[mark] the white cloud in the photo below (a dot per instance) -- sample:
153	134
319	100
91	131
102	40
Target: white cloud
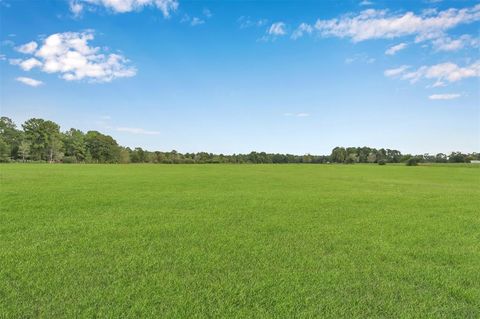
381	24
448	44
301	114
394	49
196	21
302	29
362	58
441	73
206	12
134	130
122	6
247	22
450	96
76	8
365	3
396	71
2	57
70	55
27	64
193	21
29	81
277	29
27	48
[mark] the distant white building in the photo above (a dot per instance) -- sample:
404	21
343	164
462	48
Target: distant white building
474	162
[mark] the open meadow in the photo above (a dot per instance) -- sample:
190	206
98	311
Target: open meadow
197	241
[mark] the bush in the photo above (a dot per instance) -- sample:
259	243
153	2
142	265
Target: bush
412	162
350	160
382	162
69	159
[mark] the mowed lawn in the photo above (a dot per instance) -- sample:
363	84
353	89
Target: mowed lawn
247	241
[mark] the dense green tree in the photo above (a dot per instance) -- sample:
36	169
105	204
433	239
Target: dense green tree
10	135
102	148
24	150
74	144
44	138
456	157
339	155
4	151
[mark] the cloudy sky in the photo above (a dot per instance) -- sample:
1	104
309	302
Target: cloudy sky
236	76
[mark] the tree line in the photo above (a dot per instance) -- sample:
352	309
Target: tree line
41	140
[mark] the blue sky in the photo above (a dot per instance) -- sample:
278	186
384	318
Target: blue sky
235	76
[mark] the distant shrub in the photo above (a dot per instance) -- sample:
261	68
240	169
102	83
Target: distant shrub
412	162
350	160
382	162
69	159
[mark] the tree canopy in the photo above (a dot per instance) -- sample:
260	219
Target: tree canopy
42	140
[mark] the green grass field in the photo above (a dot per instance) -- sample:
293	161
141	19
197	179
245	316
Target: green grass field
248	241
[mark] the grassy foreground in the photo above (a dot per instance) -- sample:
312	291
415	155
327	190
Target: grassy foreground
245	241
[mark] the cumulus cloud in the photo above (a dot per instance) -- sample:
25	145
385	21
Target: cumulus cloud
277	29
29	81
71	55
27	64
302	29
394	49
134	130
27	48
449	96
382	24
442	73
122	6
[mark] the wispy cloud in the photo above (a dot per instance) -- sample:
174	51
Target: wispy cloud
122	6
396	71
277	29
441	73
382	24
135	130
365	3
302	29
76	8
29	81
207	13
394	49
194	21
362	58
449	96
301	114
247	22
448	44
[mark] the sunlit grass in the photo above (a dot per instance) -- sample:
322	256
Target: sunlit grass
239	241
